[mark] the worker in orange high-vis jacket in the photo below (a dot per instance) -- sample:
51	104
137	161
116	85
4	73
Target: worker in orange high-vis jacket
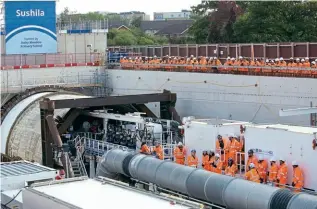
273	171
282	174
252	159
211	160
179	154
205	160
231	169
222	147
145	149
252	174
234	147
158	151
217	164
192	159
298	177
262	169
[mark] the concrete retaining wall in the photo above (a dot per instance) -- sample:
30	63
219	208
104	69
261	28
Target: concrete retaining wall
246	98
13	81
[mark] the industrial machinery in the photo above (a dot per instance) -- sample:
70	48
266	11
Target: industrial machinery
131	128
198	185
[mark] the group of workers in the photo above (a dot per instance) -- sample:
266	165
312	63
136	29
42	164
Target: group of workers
228	159
206	64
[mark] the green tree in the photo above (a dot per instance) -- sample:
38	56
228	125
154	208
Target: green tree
214	21
125	38
279	21
136	22
145	41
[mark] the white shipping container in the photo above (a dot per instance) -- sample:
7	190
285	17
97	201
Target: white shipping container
202	134
289	142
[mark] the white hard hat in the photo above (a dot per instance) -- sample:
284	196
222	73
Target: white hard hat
267	60
215	58
291	58
217	155
261	157
302	60
192	55
297	59
211	58
251	165
282	159
313	62
180	144
228	58
306	58
281	58
273	159
294	162
276	59
155	56
240	57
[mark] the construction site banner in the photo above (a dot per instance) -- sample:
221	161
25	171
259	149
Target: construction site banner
30	26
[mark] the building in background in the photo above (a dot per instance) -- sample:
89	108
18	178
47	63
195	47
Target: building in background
128	15
183	15
166	28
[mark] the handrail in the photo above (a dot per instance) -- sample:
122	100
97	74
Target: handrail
82	167
212	66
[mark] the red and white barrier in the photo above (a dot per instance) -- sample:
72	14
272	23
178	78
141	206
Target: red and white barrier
48	65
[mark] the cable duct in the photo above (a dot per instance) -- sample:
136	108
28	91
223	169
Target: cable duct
218	189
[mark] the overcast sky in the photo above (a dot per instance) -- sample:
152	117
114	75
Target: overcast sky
147	6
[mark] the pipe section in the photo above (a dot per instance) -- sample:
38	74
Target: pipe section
218	189
302	201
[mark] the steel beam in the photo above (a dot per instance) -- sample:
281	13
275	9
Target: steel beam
68	120
298	111
145	109
112	100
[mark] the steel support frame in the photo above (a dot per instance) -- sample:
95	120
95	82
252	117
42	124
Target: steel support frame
51	134
114	100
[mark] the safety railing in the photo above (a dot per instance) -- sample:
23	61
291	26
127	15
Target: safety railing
20	83
87	135
240	156
82	25
80	162
249	70
223	154
96	147
49	59
168	150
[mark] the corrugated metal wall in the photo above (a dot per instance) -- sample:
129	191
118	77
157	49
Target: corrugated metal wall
259	50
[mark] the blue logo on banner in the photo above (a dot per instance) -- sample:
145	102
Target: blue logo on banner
30	27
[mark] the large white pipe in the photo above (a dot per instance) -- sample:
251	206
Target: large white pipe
218	189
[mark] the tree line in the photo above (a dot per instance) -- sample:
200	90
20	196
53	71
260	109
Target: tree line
223	22
255	21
